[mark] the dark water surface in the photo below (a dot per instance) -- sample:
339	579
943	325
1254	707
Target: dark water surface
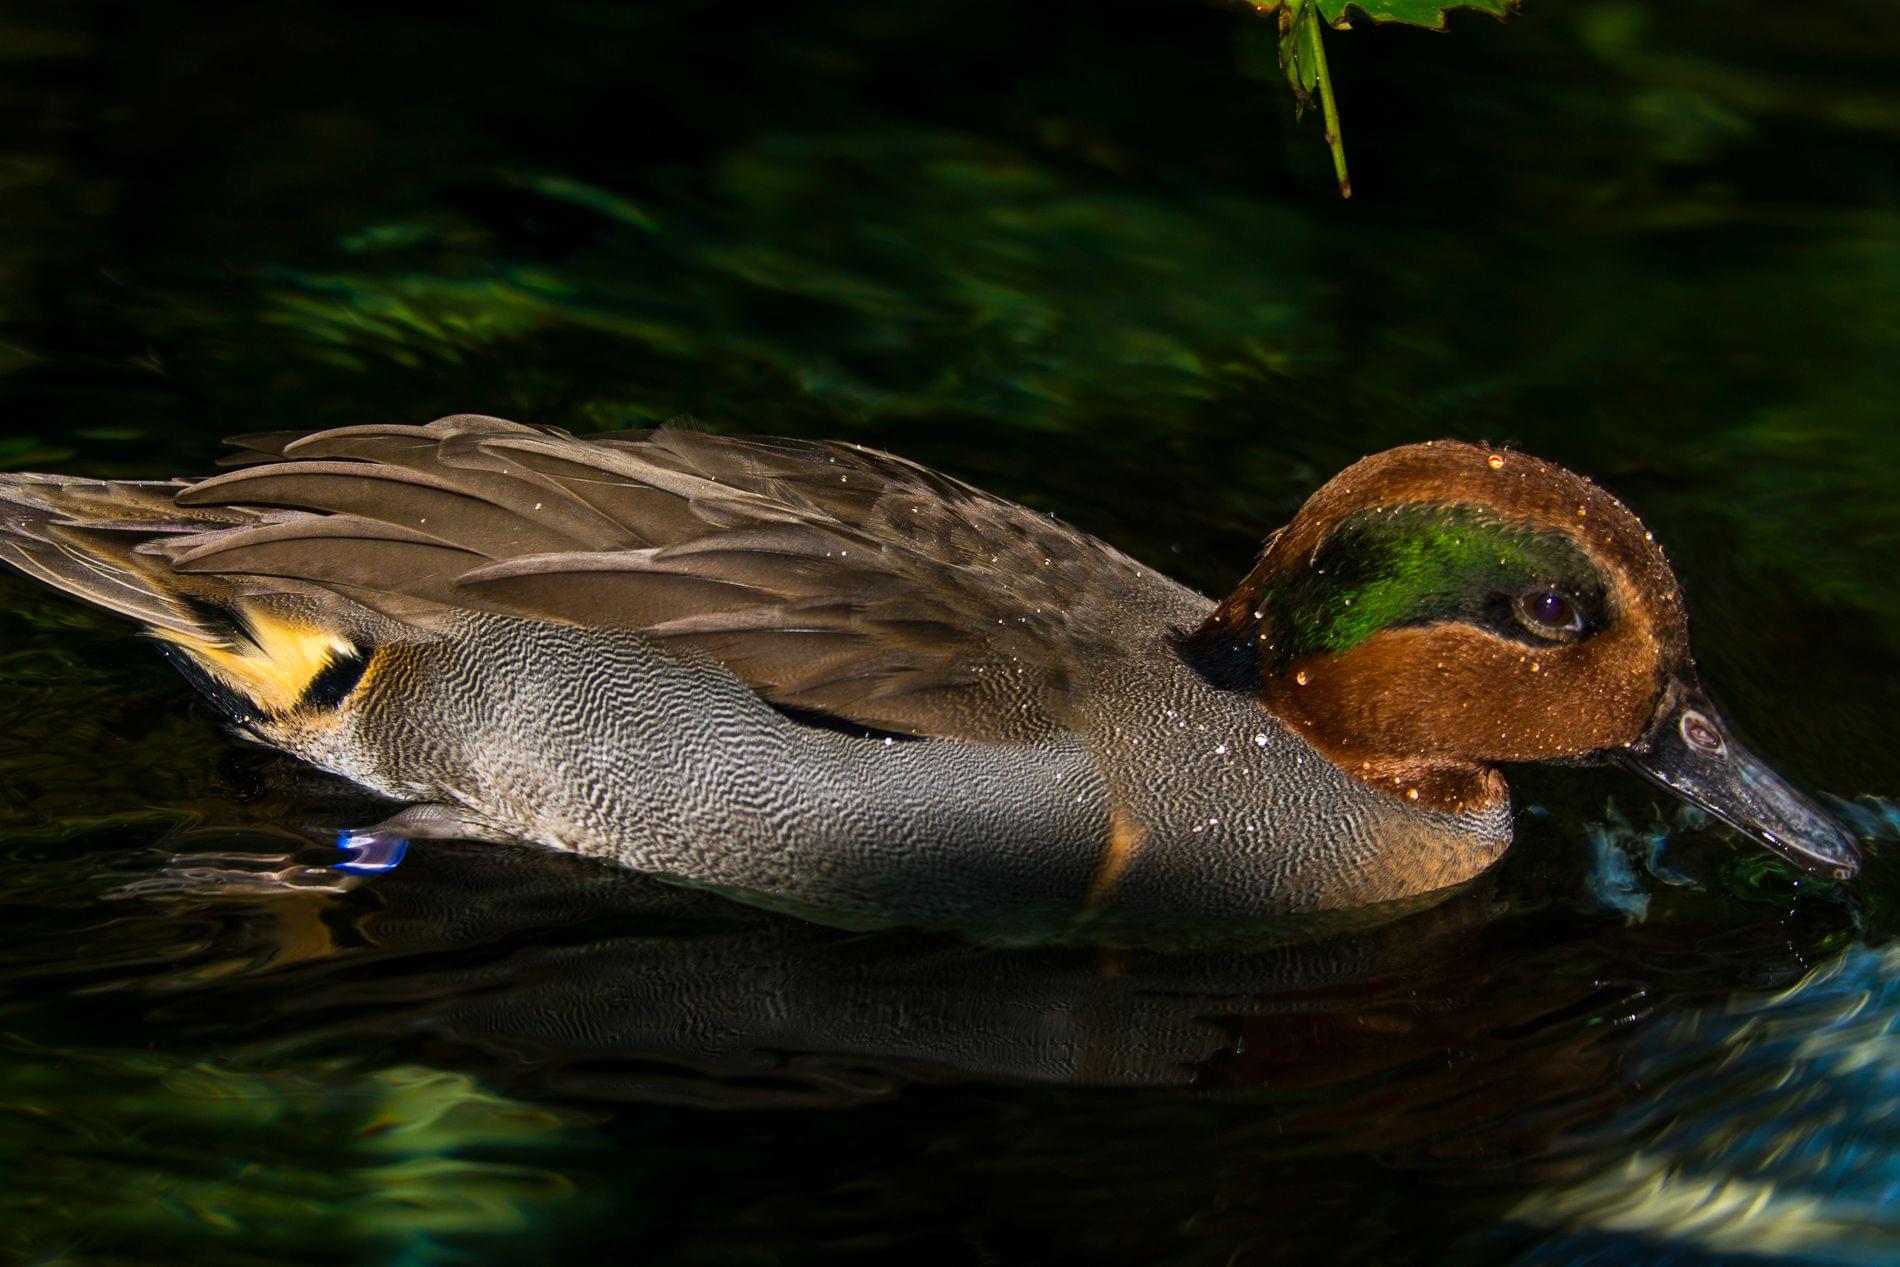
1078	253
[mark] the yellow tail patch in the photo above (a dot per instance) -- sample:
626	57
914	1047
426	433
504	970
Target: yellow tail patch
274	666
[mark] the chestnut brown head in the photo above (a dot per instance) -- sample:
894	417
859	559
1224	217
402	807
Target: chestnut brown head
1438	608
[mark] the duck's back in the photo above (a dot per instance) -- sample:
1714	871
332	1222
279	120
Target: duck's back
827	577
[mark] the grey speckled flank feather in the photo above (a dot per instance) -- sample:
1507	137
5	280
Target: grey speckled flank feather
827	577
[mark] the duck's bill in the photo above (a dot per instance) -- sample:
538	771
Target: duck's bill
1690	751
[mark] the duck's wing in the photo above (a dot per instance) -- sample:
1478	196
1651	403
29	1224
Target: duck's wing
830	578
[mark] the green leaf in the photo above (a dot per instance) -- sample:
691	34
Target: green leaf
1301	53
1427	13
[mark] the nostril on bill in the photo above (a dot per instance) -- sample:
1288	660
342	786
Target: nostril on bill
1701	733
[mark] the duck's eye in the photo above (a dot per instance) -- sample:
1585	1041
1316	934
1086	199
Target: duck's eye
1550	614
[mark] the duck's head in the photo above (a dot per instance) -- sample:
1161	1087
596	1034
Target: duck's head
1439	608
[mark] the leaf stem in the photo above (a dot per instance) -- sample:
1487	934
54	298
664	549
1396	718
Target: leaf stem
1329	108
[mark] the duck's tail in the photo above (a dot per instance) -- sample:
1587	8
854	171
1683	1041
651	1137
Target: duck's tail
109	542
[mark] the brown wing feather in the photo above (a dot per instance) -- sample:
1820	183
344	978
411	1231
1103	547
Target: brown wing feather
329	550
84	536
828	577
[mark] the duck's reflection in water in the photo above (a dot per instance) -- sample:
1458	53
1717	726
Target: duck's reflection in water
1497	1042
554	977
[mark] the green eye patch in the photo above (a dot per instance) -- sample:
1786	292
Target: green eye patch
1418	564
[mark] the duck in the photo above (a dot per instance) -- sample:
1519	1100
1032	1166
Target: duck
827	678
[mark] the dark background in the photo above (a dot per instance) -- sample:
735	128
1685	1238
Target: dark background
1082	254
